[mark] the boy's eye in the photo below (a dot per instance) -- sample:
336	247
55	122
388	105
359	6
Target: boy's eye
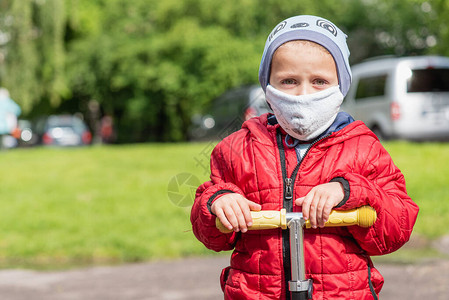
288	81
320	82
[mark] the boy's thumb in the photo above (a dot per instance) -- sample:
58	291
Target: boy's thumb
299	201
254	206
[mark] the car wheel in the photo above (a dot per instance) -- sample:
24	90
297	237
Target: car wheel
379	133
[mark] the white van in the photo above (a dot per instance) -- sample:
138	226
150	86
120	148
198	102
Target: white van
402	97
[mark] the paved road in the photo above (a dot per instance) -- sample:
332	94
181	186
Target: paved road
193	278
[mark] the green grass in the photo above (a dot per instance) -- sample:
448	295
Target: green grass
111	204
426	170
62	207
425	167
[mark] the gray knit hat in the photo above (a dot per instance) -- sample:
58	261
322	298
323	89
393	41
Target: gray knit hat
314	29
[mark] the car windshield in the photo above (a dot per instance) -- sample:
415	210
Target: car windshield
66	122
429	80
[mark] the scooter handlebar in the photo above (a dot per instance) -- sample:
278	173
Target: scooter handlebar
364	216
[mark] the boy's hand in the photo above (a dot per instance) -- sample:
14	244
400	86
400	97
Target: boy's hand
233	210
318	203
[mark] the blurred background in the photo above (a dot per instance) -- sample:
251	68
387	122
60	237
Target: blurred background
140	71
141	78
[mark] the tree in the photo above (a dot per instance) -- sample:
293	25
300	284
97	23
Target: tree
153	74
19	50
33	54
394	27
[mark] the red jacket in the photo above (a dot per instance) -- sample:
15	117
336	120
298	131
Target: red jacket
255	162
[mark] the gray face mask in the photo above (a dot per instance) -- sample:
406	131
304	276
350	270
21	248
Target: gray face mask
305	117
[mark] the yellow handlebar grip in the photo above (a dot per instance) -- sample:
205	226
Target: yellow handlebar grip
367	216
364	216
264	219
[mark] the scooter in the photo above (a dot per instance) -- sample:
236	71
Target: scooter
300	287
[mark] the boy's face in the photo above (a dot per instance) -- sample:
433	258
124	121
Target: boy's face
302	67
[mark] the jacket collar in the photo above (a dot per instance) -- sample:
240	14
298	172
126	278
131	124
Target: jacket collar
264	128
341	121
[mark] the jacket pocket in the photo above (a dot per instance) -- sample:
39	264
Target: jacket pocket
224	277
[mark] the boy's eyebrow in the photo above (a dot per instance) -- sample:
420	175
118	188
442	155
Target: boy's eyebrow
287	73
284	74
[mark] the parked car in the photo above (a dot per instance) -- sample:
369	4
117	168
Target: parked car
27	135
227	113
63	130
22	136
402	97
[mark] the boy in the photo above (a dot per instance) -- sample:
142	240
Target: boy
306	157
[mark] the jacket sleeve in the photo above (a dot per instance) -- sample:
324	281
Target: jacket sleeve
381	185
202	219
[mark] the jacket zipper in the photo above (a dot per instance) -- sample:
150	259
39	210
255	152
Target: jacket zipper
289	182
370	283
288	189
288	203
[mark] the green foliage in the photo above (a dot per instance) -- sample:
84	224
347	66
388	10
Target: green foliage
153	64
401	27
438	26
35	54
23	60
155	77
